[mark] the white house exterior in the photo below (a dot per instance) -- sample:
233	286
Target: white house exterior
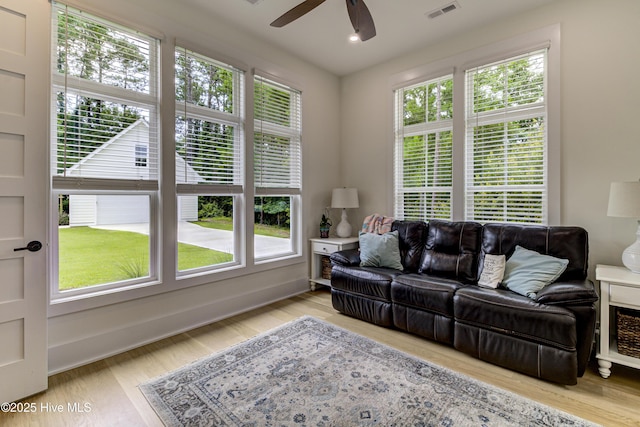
116	156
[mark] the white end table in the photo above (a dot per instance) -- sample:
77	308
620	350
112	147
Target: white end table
325	247
619	287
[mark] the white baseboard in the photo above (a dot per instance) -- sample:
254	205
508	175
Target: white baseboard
88	349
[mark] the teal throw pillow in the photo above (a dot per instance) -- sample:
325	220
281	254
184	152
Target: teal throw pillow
526	272
380	250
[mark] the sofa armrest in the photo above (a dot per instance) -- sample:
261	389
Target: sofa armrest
568	292
578	296
347	258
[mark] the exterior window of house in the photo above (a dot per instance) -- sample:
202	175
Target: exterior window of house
209	135
423	149
141	155
104	104
506	141
277	168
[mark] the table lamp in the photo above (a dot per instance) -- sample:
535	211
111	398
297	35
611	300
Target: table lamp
344	198
624	201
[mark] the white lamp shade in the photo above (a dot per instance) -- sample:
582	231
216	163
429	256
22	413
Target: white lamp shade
624	199
345	198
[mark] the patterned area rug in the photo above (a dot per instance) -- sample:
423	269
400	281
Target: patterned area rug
311	373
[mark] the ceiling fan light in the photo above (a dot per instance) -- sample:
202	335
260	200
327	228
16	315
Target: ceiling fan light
354	38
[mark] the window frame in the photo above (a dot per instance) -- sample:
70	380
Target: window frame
423	129
236	190
71	185
141	155
293	190
163	214
546	37
503	117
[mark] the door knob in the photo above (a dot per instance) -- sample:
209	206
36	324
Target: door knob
33	246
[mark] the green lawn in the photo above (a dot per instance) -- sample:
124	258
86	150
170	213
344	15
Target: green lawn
219	223
226	223
90	256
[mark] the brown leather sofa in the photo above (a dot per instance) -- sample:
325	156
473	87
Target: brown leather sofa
437	297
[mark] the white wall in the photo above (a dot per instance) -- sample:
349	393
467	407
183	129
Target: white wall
348	119
600	87
82	209
95	332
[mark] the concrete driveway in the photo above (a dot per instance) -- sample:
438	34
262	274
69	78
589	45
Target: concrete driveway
219	240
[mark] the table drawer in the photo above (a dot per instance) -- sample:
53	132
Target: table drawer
324	248
625	294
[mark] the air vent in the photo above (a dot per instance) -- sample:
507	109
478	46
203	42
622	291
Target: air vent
442	10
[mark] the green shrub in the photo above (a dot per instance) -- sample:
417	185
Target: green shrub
63	218
134	267
210	210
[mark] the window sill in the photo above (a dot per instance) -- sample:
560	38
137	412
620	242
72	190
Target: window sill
75	303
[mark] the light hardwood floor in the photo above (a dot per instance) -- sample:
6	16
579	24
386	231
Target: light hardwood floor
109	387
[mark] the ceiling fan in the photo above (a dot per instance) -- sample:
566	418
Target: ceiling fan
358	14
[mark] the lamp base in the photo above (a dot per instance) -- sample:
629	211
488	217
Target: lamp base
344	228
631	255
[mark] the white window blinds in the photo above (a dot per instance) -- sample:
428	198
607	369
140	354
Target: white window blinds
105	94
277	135
423	150
209	118
506	142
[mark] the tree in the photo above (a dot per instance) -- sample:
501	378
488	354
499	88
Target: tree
427	154
509	155
89	50
273	211
207	145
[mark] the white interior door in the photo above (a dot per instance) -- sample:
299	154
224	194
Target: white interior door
24	73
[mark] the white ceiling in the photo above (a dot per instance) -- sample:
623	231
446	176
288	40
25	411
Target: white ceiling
321	36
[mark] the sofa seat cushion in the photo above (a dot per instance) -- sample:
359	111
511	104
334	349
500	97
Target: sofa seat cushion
503	311
372	282
568	293
425	292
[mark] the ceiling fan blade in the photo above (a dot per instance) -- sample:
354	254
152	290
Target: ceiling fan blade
361	19
295	13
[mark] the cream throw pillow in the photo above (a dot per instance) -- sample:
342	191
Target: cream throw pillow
492	271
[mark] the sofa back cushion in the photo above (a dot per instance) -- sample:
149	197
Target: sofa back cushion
565	242
452	250
411	238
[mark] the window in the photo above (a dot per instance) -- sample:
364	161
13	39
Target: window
111	229
423	150
277	167
209	137
105	101
486	158
506	178
141	155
